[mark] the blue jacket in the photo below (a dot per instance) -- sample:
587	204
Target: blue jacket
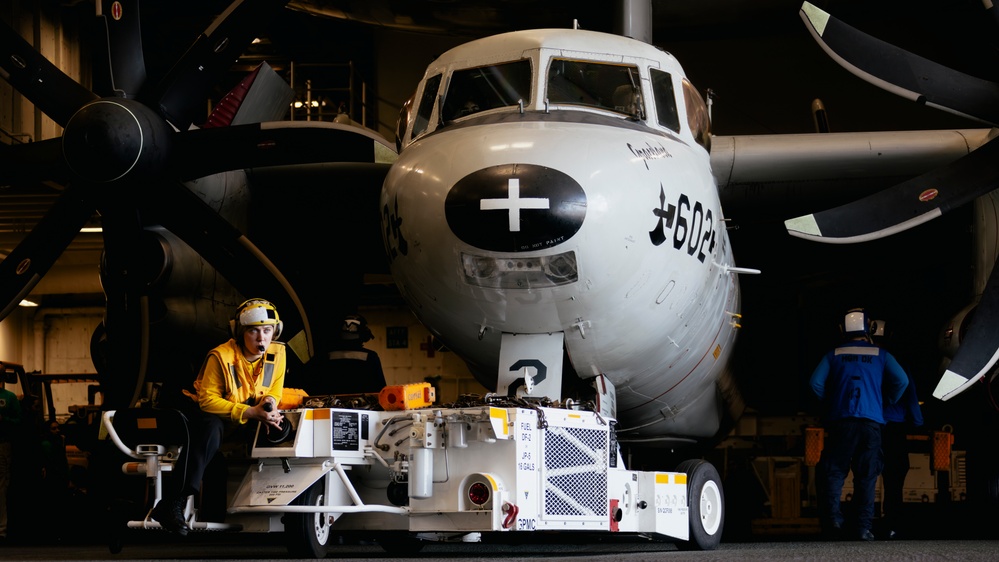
848	381
906	409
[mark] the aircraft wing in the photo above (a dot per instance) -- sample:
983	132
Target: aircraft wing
766	177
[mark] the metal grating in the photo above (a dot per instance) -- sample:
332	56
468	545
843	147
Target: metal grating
575	472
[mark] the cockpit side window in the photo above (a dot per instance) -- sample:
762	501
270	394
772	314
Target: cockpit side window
666	111
472	90
405	117
426	105
697	115
593	84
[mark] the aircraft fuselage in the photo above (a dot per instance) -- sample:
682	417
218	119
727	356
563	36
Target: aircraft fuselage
550	184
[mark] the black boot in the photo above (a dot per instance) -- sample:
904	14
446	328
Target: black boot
169	513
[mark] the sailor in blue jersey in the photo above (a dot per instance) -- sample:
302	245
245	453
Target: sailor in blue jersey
849	381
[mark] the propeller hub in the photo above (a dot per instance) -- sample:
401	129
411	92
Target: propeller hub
113	138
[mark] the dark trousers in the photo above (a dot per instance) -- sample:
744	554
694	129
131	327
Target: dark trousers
205	437
851	444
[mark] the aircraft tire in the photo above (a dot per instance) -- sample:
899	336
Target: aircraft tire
308	534
706	503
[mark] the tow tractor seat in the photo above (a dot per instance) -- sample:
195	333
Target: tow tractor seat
154	437
144	431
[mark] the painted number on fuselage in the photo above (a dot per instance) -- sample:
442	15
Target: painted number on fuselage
692	225
395	244
540	370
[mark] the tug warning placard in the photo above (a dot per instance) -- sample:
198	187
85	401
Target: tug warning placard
346	431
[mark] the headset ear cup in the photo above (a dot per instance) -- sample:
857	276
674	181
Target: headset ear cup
232	329
277	330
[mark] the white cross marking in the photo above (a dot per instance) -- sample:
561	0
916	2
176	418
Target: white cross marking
513	203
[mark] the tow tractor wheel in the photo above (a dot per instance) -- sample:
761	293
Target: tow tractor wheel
308	534
706	502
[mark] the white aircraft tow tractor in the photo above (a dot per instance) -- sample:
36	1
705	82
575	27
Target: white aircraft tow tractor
406	476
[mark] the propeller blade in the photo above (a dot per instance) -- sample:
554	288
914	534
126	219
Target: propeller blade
979	349
126	317
31	259
901	72
53	92
227	250
201	152
33	162
180	97
119	67
904	205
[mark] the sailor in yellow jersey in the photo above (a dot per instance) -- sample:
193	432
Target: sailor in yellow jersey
241	375
241	380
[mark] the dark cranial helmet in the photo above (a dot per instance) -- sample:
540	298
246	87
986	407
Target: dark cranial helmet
355	327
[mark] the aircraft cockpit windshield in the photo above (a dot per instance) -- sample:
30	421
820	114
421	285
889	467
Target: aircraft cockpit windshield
599	85
472	90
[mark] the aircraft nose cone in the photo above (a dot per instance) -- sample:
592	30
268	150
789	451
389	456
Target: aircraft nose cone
515	208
